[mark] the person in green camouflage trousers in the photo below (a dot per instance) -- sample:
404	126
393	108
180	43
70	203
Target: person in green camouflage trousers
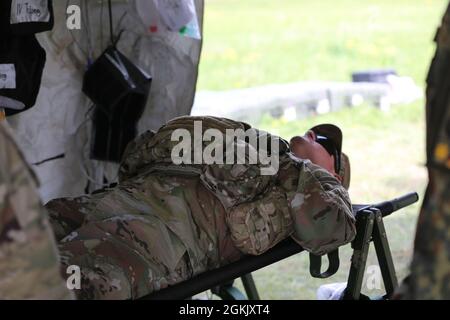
430	269
29	262
165	222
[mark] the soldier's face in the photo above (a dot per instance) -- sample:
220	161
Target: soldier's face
306	147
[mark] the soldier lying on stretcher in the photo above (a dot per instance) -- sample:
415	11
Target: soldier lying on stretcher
165	223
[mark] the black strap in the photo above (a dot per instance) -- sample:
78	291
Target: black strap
111	30
113	38
315	264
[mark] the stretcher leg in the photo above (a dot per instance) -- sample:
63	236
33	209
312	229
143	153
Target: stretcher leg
229	292
370	227
384	256
250	287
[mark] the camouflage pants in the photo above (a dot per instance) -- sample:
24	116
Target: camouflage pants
430	269
431	265
140	237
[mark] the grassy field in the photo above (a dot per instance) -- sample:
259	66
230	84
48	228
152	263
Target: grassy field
253	42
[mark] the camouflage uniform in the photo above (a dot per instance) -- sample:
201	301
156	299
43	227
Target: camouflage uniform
165	223
29	265
430	270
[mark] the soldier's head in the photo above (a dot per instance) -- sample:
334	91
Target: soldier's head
322	145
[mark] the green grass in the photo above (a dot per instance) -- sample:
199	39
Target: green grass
254	42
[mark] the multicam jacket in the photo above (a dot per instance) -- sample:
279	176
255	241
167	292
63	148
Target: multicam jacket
29	262
164	223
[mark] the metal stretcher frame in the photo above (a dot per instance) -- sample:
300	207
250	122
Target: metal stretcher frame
369	224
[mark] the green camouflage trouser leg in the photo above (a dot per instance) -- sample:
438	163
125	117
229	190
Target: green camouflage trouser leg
430	270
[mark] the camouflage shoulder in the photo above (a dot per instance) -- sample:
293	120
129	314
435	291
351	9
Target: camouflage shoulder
29	263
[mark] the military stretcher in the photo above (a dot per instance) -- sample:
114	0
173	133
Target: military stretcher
370	228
